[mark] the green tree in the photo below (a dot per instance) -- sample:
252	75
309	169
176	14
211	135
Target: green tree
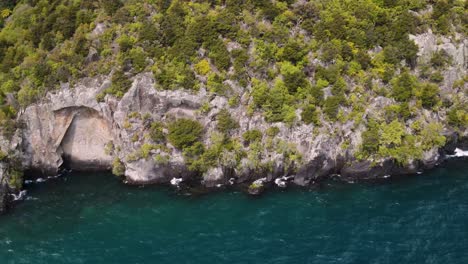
403	86
156	132
184	132
225	121
429	95
310	115
392	134
371	137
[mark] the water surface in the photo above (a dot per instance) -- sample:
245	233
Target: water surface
92	218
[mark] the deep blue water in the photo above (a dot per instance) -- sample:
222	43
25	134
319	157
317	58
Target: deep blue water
92	218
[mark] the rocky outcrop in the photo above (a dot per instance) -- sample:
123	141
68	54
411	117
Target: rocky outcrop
456	48
55	128
70	127
3	188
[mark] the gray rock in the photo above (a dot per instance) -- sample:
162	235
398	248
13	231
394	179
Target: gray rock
213	177
71	125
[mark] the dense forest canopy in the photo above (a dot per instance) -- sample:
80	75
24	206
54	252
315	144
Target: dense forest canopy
321	56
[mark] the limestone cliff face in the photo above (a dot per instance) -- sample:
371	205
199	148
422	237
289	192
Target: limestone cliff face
85	139
70	126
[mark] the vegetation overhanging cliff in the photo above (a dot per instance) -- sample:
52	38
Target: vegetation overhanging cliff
232	91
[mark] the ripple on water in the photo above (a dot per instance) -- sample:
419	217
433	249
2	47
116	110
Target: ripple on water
92	218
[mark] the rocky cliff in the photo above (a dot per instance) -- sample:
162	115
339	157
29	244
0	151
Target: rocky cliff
71	128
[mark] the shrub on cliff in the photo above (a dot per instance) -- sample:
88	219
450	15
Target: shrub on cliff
225	121
252	136
429	94
184	132
310	115
120	85
156	132
458	117
118	168
403	86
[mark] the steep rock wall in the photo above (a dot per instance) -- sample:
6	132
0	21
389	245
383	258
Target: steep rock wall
70	122
83	145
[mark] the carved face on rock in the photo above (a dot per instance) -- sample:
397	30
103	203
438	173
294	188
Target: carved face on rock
85	134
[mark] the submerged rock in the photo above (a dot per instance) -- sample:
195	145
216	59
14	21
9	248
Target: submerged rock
257	187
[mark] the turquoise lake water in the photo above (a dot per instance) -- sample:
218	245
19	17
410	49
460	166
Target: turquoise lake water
93	218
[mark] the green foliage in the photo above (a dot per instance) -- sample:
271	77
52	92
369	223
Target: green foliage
440	58
458	117
436	77
202	67
310	115
145	150
293	76
272	131
109	148
252	136
118	168
16	178
277	97
403	86
225	121
293	51
110	6
219	54
432	136
174	75
184	133
137	56
429	95
391	134
156	132
285	55
371	138
125	42
27	95
120	85
215	84
331	107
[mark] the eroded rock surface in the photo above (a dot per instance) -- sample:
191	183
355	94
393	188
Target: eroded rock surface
71	125
85	140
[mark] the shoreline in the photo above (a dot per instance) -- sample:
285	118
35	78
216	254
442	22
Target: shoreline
191	187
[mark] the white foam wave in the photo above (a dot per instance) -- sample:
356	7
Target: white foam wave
41	180
21	195
176	181
280	183
459	153
283	181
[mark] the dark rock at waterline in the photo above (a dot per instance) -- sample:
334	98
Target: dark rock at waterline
453	141
319	167
256	189
365	170
3	198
